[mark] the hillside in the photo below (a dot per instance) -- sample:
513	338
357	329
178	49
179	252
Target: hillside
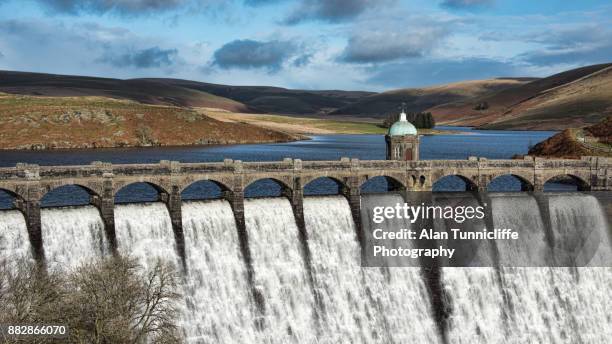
420	99
505	105
266	99
583	101
572	143
140	90
35	122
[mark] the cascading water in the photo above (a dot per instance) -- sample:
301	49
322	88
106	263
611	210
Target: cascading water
72	236
280	273
554	304
218	308
144	232
14	240
361	305
353	304
399	294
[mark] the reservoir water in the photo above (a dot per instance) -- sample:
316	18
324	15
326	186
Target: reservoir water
491	144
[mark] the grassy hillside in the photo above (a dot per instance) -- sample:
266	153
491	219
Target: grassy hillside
419	99
34	122
500	103
140	90
277	100
586	100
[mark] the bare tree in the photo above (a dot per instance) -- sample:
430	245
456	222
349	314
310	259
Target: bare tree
108	301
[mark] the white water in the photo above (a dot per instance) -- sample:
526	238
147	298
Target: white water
218	307
280	273
359	305
144	232
537	304
72	236
14	239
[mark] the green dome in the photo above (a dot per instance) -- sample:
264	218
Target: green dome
402	127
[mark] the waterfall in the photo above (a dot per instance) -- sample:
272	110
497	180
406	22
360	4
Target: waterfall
544	304
280	273
72	236
331	298
361	305
14	240
218	308
144	232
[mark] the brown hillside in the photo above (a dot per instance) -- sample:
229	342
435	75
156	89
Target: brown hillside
146	91
419	99
583	101
499	103
594	140
30	122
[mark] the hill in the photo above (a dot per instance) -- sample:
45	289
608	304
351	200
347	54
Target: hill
140	90
593	140
420	99
35	122
586	100
542	97
267	99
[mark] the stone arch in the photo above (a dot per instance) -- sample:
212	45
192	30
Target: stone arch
223	184
393	182
15	197
525	180
220	184
581	183
341	184
285	189
160	189
470	184
51	188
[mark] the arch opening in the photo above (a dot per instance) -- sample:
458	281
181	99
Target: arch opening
7	199
203	190
67	196
323	186
566	183
381	184
509	183
454	183
138	192
267	187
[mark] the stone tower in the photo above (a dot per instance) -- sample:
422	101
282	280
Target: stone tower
402	140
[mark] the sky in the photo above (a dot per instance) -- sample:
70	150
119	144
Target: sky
371	45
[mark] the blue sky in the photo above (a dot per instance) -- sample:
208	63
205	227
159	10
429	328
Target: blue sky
312	44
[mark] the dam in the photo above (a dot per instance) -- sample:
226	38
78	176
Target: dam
288	269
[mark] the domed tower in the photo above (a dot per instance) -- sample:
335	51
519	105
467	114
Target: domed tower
402	140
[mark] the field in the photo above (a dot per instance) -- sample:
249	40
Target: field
305	125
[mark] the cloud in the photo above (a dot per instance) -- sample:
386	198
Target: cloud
332	11
465	4
249	54
144	58
383	45
432	72
121	7
82	48
260	2
580	45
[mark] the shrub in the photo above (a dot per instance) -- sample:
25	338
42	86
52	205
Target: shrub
109	301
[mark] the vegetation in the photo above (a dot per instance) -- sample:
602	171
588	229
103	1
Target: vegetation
110	301
421	120
34	122
573	143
